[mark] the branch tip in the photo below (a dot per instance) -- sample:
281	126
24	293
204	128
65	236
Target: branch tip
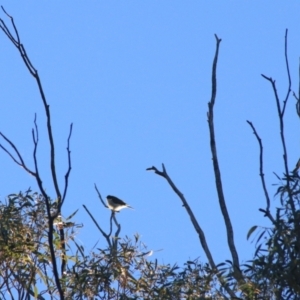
6	12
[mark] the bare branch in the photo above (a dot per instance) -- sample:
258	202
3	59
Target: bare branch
214	75
69	166
156	171
6	30
194	221
35	137
21	163
116	236
288	73
298	97
17	42
100	197
197	227
222	202
34	73
96	223
13	23
281	121
104	204
261	173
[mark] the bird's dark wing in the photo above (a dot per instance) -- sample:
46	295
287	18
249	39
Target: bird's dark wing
116	200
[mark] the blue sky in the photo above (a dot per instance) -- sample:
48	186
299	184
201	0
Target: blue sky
134	77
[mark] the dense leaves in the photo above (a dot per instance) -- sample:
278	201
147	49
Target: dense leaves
122	273
276	265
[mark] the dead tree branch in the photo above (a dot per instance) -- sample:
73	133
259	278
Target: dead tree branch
21	162
298	97
106	236
17	43
185	204
261	173
69	166
100	197
195	223
281	111
222	202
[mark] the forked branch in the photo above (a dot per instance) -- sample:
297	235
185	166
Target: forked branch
185	204
111	240
290	184
17	43
281	111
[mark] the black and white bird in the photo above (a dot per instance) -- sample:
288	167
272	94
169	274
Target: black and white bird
116	204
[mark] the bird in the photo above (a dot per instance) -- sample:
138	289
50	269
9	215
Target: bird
116	204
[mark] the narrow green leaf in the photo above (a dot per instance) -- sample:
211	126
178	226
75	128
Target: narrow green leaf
72	215
252	229
261	235
257	250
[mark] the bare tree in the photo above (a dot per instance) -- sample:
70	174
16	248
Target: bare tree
14	153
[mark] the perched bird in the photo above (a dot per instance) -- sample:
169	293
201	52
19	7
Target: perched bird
116	204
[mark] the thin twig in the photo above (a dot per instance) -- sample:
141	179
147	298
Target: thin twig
96	223
288	72
35	138
100	197
21	163
69	166
298	97
13	23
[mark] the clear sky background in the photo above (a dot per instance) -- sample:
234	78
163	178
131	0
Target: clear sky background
134	77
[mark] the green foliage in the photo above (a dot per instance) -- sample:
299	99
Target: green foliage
129	274
276	265
24	249
121	272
